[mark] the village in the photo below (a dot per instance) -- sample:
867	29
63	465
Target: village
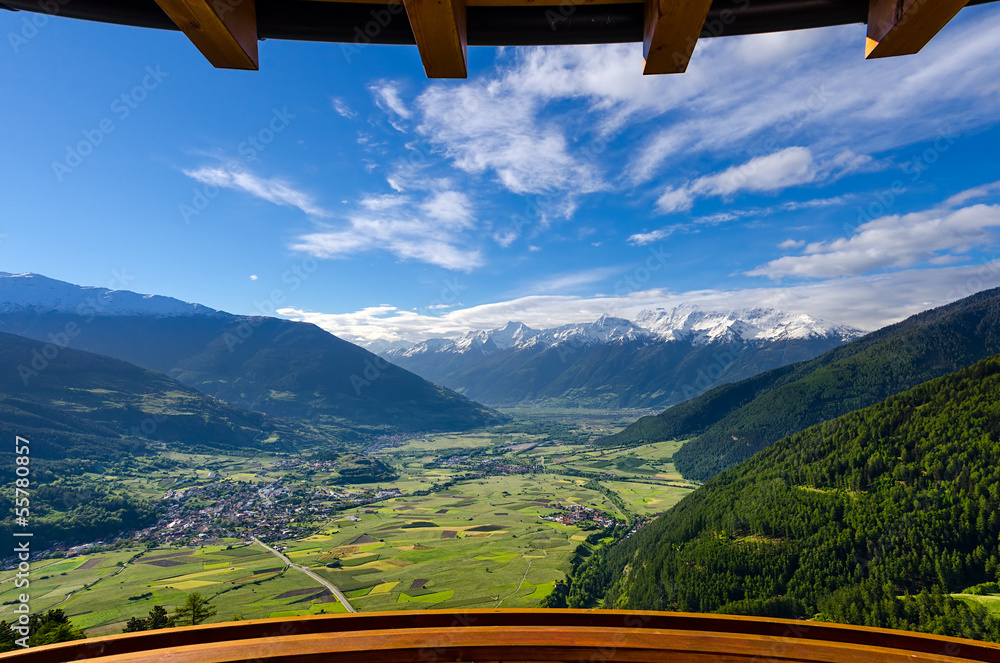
577	513
241	509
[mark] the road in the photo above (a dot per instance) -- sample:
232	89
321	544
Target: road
521	584
336	592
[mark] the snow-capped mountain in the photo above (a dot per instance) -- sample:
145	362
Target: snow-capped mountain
661	357
682	323
41	294
759	324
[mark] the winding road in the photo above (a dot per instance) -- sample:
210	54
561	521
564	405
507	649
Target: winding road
336	592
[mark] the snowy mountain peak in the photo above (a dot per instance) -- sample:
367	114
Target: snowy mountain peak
686	322
34	292
760	324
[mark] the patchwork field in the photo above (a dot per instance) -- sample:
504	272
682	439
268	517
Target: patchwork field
470	543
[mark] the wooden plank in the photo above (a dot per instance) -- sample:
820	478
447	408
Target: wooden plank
225	31
670	32
439	30
516	636
525	643
903	27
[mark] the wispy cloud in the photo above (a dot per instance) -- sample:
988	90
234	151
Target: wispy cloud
866	302
273	190
387	98
570	281
892	242
642	239
492	126
432	229
963	197
342	108
792	166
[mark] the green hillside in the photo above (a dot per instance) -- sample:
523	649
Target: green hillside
733	422
872	518
277	367
84	407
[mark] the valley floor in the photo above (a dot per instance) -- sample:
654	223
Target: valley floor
472	521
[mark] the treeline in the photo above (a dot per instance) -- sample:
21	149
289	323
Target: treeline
872	518
74	513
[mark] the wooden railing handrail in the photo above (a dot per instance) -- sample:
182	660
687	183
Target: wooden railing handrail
516	635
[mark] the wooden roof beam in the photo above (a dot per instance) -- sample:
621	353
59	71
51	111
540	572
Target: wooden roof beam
225	31
903	27
670	32
439	30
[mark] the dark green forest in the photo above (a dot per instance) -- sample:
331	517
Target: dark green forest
77	511
872	518
731	423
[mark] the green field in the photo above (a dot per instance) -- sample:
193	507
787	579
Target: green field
476	543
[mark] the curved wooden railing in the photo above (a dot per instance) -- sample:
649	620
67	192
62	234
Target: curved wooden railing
517	635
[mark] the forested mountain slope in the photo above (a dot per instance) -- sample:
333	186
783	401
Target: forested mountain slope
871	518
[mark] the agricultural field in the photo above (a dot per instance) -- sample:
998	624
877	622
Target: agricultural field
479	544
465	531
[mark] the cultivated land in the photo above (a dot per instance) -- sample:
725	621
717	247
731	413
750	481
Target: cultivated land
465	531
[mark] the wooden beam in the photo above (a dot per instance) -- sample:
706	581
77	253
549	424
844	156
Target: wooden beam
225	31
670	32
903	27
439	30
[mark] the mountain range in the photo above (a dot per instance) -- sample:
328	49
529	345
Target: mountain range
732	422
662	357
82	406
268	365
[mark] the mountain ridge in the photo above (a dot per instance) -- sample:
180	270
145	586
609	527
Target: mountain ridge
617	363
270	365
730	423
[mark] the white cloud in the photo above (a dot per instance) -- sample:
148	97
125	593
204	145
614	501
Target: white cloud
642	239
792	166
342	108
675	200
432	230
792	244
868	302
387	98
273	190
892	242
573	280
971	194
493	127
797	108
253	277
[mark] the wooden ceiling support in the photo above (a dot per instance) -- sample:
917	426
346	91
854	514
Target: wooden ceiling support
225	31
903	27
670	32
439	30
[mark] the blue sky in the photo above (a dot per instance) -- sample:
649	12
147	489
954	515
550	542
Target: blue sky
554	185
